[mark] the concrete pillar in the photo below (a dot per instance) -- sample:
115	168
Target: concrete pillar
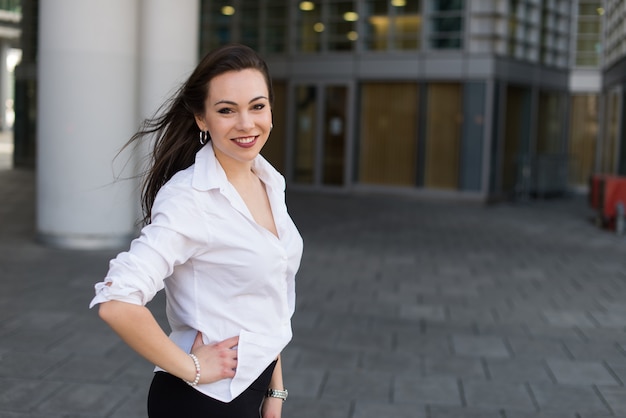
169	33
168	38
87	110
4	84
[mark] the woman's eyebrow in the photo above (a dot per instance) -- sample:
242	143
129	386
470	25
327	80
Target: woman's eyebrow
229	102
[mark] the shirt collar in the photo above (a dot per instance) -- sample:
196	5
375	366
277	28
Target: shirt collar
208	173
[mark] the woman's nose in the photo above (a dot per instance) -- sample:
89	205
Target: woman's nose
245	121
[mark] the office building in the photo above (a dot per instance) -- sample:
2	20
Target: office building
477	99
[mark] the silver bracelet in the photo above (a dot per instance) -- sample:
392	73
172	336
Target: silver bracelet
197	364
275	393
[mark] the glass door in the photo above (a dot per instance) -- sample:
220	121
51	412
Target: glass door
321	133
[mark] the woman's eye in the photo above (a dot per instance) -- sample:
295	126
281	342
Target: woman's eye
225	111
259	106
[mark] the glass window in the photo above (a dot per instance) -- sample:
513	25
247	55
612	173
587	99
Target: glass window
248	11
392	25
550	123
276	19
309	26
588	43
342	25
274	148
217	24
334	142
306	121
446	24
377	25
407	24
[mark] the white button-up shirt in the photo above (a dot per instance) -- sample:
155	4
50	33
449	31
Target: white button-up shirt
224	274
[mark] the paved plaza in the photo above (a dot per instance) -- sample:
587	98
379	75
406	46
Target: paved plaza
407	308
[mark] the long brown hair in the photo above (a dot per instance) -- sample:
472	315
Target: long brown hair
174	129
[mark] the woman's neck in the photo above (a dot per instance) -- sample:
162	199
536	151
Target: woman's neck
236	171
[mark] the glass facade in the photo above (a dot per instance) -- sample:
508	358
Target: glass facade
392	25
366	100
614	13
446	24
589	33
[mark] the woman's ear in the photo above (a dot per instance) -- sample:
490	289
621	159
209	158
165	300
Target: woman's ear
201	123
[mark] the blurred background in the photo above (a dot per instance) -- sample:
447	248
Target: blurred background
482	100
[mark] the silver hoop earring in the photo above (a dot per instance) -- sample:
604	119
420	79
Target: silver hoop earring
271	126
204	137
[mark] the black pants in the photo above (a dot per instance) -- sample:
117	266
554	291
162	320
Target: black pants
171	397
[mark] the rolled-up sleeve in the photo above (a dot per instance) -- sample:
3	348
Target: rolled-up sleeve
174	235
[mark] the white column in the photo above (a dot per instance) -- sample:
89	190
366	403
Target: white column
87	110
4	84
168	51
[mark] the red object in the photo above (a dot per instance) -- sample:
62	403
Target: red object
596	184
614	193
606	191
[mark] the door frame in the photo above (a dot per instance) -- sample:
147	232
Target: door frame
349	126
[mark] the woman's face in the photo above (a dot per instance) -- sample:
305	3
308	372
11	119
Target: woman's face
237	115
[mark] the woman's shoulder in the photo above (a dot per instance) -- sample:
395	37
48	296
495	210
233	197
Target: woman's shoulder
179	184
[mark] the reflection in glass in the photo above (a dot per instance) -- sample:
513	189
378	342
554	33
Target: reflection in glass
335	118
304	149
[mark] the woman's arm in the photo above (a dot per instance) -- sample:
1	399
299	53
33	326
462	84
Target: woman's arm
136	325
272	407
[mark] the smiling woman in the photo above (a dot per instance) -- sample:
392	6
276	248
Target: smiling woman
217	228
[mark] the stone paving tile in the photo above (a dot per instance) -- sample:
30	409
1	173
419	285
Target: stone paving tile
395	362
518	414
331	359
135	405
357	385
305	383
85	399
568	318
617	369
415	312
568	399
427	390
365	409
480	346
502	330
536	349
454	366
549	332
30	365
22	395
373	339
465	412
517	371
615	396
617	335
497	395
419	344
580	372
595	350
308	408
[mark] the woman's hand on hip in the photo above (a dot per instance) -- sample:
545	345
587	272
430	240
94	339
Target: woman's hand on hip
218	360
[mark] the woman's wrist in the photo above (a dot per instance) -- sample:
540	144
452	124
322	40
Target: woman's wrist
196	365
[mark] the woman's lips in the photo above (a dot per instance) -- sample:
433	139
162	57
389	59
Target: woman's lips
246	142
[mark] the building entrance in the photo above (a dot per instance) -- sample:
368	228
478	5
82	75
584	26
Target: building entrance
322	128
